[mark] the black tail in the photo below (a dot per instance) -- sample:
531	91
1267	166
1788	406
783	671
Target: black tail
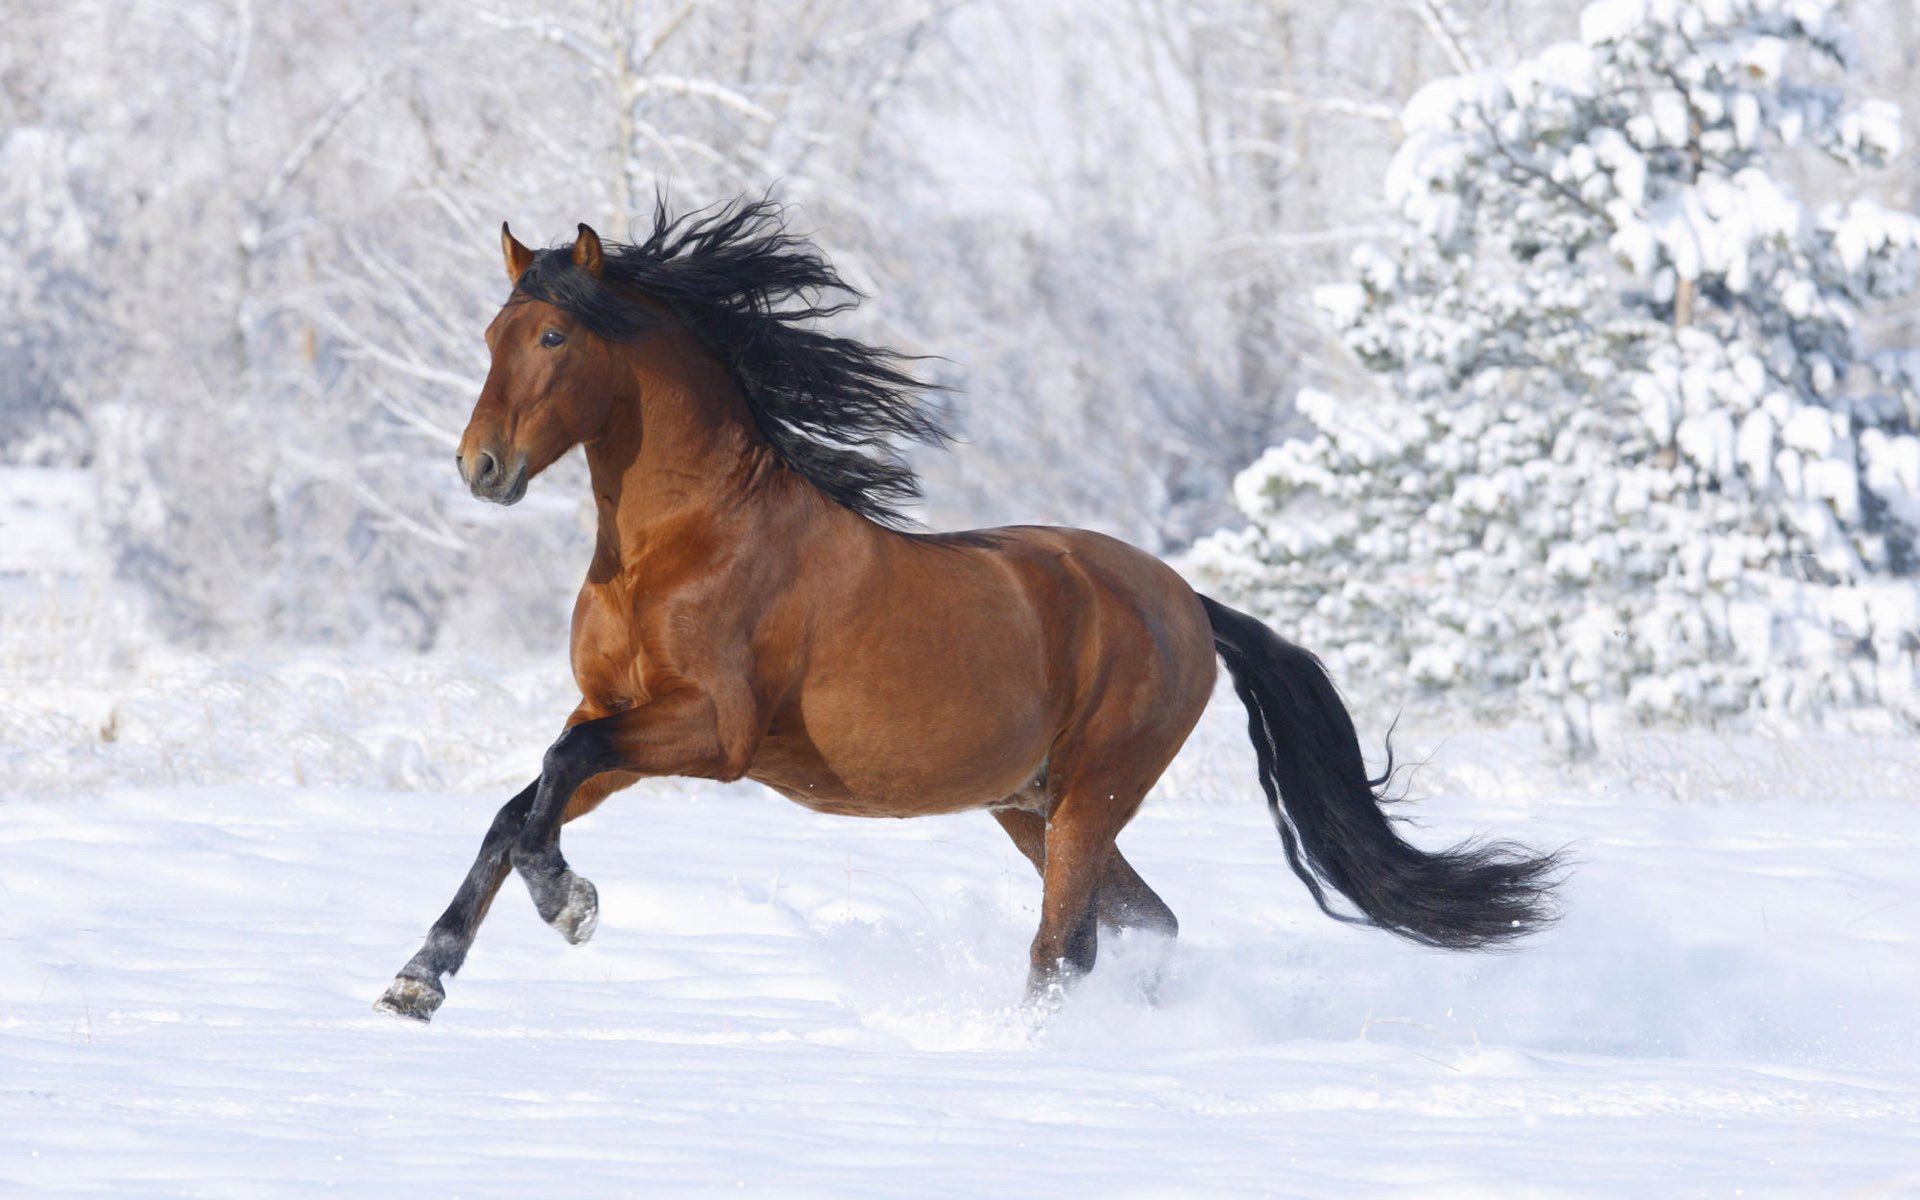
1470	897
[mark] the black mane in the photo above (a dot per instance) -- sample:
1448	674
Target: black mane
749	290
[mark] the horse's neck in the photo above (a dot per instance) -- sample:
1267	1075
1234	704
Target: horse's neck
677	451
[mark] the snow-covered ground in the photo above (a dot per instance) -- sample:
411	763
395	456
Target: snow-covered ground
210	867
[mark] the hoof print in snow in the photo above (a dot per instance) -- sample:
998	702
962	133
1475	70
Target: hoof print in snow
579	913
409	997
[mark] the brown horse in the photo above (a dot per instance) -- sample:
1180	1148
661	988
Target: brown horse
753	610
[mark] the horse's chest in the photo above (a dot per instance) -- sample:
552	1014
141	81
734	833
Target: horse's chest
608	662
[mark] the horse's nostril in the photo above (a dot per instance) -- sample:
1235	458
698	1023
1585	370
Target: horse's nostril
485	468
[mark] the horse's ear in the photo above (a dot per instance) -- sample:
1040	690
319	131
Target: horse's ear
519	258
586	252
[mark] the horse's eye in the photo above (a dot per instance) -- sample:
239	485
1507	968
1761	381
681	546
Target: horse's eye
552	337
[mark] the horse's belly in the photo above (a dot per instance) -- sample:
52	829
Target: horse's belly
891	769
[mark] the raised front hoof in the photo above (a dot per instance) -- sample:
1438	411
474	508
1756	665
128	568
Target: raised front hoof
413	998
577	914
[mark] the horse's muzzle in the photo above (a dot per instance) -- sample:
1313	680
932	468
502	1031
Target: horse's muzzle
490	477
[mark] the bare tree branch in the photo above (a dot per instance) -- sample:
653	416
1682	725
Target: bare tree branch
1384	113
1445	25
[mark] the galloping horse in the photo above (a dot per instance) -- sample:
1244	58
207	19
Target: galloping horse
755	610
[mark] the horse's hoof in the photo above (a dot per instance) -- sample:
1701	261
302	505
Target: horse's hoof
410	997
580	911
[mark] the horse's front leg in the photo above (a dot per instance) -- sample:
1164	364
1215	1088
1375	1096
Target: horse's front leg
677	734
416	991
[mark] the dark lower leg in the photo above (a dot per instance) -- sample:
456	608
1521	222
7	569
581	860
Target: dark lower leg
416	991
1063	952
1069	934
1126	902
563	899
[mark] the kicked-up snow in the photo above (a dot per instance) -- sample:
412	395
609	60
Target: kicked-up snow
784	1004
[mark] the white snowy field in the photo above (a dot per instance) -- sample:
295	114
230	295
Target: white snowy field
210	867
778	1003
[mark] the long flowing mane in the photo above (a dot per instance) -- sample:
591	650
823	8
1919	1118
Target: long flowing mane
751	291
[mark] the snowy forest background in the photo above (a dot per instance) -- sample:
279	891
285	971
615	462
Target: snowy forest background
1602	407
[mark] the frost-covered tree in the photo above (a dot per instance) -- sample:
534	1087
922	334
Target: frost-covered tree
1630	445
51	305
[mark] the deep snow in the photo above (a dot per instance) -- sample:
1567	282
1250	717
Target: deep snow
804	1005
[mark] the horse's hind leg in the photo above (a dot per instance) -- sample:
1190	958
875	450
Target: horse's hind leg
1097	781
1079	843
417	991
1123	900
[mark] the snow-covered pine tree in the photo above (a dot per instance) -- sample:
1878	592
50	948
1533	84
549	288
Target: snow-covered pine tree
1628	448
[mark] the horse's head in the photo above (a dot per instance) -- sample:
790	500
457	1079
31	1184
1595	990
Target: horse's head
699	341
551	384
